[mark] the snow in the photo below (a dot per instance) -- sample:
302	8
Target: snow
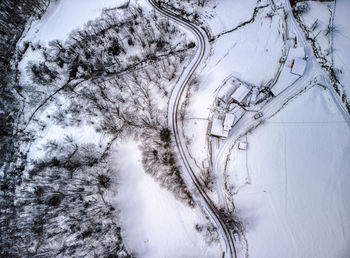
250	53
285	80
229	14
240	93
64	16
299	66
317	19
228	122
154	223
217	128
83	134
293	183
295	53
341	42
242	145
287	77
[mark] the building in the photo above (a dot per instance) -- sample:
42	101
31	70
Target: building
254	97
298	66
240	93
243	145
228	122
293	69
294	53
217	128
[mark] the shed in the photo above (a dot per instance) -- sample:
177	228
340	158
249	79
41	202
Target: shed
242	145
298	66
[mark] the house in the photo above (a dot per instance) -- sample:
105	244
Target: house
217	128
228	122
298	66
240	93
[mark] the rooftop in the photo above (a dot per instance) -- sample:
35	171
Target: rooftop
228	122
243	145
298	66
217	128
240	93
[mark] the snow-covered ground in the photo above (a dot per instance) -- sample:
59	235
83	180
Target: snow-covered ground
296	204
250	53
292	184
228	14
341	43
64	16
155	223
317	18
57	23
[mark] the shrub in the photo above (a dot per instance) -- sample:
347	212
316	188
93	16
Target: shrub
165	135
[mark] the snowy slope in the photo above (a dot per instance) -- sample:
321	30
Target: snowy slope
341	43
296	204
250	53
64	16
228	14
155	223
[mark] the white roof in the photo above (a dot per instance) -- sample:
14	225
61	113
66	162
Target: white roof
217	128
294	53
240	93
299	66
255	94
235	82
243	145
228	122
285	80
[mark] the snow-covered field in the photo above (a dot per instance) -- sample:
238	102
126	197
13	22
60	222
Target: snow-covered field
64	16
296	204
235	54
341	43
317	18
228	14
155	223
291	187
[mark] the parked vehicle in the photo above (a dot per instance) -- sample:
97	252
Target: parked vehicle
258	115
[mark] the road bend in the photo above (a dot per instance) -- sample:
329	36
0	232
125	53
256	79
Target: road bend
176	98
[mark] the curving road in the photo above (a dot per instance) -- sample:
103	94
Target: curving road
174	108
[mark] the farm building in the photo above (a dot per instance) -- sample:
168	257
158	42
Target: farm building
293	68
298	66
240	93
217	128
294	53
